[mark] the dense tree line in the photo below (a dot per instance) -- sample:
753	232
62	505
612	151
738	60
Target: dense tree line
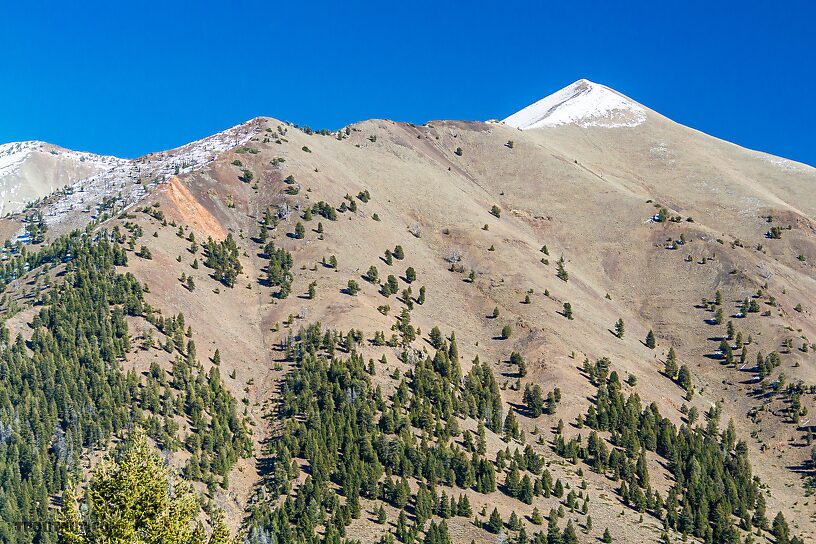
352	438
64	391
714	490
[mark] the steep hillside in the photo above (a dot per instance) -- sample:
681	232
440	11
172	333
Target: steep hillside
530	321
32	170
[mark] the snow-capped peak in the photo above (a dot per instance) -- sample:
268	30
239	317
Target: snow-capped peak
583	103
14	153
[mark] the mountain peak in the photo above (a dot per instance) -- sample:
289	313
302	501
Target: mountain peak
582	103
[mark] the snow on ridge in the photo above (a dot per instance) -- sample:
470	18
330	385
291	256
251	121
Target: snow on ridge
127	182
13	154
583	103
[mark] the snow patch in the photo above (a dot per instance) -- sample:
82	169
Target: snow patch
583	103
783	164
14	154
126	182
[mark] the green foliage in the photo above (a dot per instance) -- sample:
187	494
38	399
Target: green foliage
134	497
495	523
398	253
650	340
278	270
619	328
561	272
358	443
65	392
373	275
222	257
671	368
325	210
144	253
712	475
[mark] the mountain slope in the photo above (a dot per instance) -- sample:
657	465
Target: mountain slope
583	103
32	170
582	182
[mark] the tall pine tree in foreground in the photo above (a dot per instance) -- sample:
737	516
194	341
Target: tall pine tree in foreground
133	497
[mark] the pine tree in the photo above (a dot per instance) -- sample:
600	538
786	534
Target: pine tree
495	523
513	481
561	272
780	529
463	508
128	501
619	329
650	340
684	378
569	536
670	368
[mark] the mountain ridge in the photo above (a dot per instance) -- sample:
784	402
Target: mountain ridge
581	260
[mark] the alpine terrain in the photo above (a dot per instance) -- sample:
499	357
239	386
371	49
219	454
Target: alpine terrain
583	323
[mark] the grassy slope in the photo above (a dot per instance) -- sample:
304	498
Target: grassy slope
583	194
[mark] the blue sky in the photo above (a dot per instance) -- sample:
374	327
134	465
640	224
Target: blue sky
127	78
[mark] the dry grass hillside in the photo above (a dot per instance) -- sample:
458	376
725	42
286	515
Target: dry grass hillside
586	194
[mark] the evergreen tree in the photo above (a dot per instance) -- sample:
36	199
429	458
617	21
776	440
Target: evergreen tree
129	499
619	329
670	368
561	272
495	523
650	340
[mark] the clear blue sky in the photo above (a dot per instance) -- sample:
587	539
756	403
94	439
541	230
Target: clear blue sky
127	78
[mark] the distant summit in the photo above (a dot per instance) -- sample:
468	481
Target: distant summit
32	169
582	103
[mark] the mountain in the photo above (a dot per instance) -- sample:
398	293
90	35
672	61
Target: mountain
586	312
583	103
32	170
